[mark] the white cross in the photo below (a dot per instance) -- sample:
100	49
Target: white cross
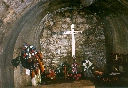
73	38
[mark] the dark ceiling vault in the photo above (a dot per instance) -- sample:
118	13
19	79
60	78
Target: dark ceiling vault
101	7
114	14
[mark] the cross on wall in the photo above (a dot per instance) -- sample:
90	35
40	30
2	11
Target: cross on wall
73	38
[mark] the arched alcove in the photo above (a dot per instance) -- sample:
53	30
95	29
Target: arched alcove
33	24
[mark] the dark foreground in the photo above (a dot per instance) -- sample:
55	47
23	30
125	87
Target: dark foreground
82	83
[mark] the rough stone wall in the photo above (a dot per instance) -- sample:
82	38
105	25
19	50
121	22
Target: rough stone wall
10	12
117	34
90	44
120	35
28	34
11	36
11	8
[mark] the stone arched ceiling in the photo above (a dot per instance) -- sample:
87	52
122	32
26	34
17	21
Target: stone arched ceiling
114	14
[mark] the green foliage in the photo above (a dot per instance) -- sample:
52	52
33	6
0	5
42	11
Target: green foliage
15	62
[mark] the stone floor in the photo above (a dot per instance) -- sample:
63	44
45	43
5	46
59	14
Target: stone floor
83	83
67	84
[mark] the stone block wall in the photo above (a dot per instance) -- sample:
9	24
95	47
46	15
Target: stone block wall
13	36
90	44
10	12
11	9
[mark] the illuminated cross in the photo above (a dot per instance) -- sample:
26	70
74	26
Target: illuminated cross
73	38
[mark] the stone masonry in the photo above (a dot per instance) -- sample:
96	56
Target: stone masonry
56	47
104	25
